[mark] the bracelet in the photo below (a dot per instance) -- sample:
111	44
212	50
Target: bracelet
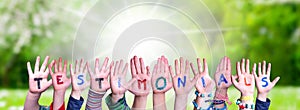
202	95
199	108
222	97
244	106
247	98
216	102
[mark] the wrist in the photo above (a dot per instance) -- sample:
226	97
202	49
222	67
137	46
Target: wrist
158	95
262	96
76	94
33	95
221	93
116	97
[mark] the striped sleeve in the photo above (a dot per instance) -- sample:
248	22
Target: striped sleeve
94	101
120	105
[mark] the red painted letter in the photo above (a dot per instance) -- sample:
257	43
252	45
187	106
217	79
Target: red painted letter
58	79
144	81
247	84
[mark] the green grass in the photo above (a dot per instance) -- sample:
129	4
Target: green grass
282	98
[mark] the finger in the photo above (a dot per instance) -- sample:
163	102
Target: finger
132	66
264	68
129	83
171	71
48	84
222	64
199	65
97	65
233	79
142	65
269	70
85	68
71	70
29	69
60	64
125	69
76	67
89	70
120	67
154	71
225	63
148	71
194	80
137	65
193	68
116	69
181	65
81	66
113	68
228	64
205	66
177	70
50	67
158	66
166	68
243	66
55	66
238	68
274	82
259	69
218	67
37	63
187	67
65	66
254	69
162	64
44	65
247	66
104	65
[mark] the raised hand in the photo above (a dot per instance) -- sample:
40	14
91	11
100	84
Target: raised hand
59	77
245	82
141	87
78	77
181	81
223	74
60	82
263	82
118	82
99	78
38	82
204	84
160	76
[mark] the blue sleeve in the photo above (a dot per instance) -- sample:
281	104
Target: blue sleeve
260	105
74	104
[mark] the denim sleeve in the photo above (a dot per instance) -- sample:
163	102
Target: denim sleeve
74	104
260	105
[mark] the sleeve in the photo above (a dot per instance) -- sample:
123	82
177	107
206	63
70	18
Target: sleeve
94	101
260	105
74	104
120	105
62	107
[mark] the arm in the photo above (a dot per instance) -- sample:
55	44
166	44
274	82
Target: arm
99	85
182	83
116	100
60	82
160	83
245	85
38	83
264	86
79	83
223	82
141	87
204	86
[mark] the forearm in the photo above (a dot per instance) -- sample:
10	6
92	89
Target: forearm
31	102
76	94
58	99
180	102
94	101
262	96
159	101
221	94
139	103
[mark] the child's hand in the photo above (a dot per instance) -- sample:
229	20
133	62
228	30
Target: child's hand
99	78
160	79
204	84
223	74
38	82
141	87
245	82
118	82
181	81
78	77
263	83
59	78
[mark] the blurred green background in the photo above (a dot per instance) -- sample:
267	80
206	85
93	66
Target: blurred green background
258	30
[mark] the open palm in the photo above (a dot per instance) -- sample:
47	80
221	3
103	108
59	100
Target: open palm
161	71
